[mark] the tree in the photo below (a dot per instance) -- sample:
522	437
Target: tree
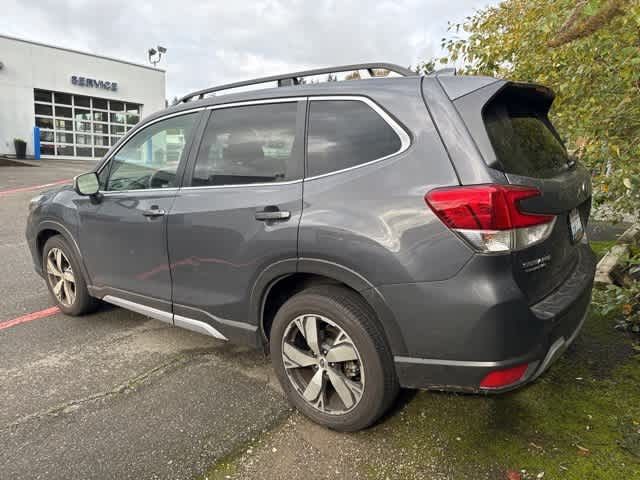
588	52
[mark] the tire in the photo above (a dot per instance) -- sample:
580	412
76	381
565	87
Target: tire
371	377
74	298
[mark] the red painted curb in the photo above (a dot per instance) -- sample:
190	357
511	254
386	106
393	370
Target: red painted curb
33	187
47	312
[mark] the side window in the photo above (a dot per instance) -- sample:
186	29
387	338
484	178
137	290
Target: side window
151	157
346	133
252	144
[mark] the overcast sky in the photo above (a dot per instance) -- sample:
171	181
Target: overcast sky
211	42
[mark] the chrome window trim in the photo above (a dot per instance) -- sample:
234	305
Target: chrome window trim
405	139
248	103
269	184
112	193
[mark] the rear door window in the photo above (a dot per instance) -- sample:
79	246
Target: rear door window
251	144
346	133
523	139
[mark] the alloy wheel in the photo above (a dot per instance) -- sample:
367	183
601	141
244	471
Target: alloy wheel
323	364
60	277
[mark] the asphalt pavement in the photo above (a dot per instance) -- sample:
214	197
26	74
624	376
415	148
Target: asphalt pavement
113	394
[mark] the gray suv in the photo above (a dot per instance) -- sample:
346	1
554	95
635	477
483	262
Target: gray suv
406	231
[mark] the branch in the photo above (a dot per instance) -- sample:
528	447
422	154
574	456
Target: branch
570	31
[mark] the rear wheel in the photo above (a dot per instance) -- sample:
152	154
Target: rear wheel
64	278
332	359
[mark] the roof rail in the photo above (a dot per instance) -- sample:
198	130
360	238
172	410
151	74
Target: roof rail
294	78
443	72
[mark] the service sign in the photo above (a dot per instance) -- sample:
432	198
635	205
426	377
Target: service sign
93	83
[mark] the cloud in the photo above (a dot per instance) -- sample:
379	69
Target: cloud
214	42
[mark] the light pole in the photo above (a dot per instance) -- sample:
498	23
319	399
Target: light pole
155	54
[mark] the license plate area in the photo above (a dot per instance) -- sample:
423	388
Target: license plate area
575	225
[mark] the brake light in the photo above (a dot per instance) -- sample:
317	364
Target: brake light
489	216
504	378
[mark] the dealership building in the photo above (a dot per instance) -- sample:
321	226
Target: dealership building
81	103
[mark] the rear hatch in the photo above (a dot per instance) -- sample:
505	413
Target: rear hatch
529	151
515	144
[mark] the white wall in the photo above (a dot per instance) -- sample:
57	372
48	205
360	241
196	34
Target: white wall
28	66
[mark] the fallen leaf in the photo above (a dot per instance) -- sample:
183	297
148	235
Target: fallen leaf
513	475
583	451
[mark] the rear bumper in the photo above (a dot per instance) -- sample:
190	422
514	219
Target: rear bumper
504	335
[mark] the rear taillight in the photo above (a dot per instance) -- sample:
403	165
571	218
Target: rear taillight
504	378
489	216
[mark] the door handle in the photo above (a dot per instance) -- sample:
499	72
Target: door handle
266	215
154	212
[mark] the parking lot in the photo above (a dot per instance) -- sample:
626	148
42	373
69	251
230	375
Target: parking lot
113	394
119	395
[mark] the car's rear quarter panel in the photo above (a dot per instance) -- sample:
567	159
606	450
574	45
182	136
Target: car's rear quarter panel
373	219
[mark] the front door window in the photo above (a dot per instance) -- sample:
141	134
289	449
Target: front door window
151	157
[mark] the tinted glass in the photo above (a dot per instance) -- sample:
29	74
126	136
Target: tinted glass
346	133
100	103
42	95
253	144
82	101
44	122
62	98
523	139
150	158
63	111
43	109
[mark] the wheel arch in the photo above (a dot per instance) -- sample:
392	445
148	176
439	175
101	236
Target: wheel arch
50	228
283	280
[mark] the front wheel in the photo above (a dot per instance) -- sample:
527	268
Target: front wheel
64	278
332	359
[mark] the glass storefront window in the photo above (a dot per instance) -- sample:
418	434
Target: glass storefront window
64	137
100	103
100	140
47	149
42	96
80	101
64	125
117	117
44	122
65	150
46	136
64	98
100	116
80	114
84	152
101	127
43	109
63	112
83	139
81	126
117	129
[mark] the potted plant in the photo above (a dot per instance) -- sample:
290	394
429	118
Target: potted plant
21	147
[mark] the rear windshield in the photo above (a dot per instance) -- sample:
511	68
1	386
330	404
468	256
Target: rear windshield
522	135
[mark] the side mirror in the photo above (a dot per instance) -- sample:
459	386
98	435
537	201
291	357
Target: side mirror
86	184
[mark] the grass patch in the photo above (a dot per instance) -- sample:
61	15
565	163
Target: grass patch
581	420
601	247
